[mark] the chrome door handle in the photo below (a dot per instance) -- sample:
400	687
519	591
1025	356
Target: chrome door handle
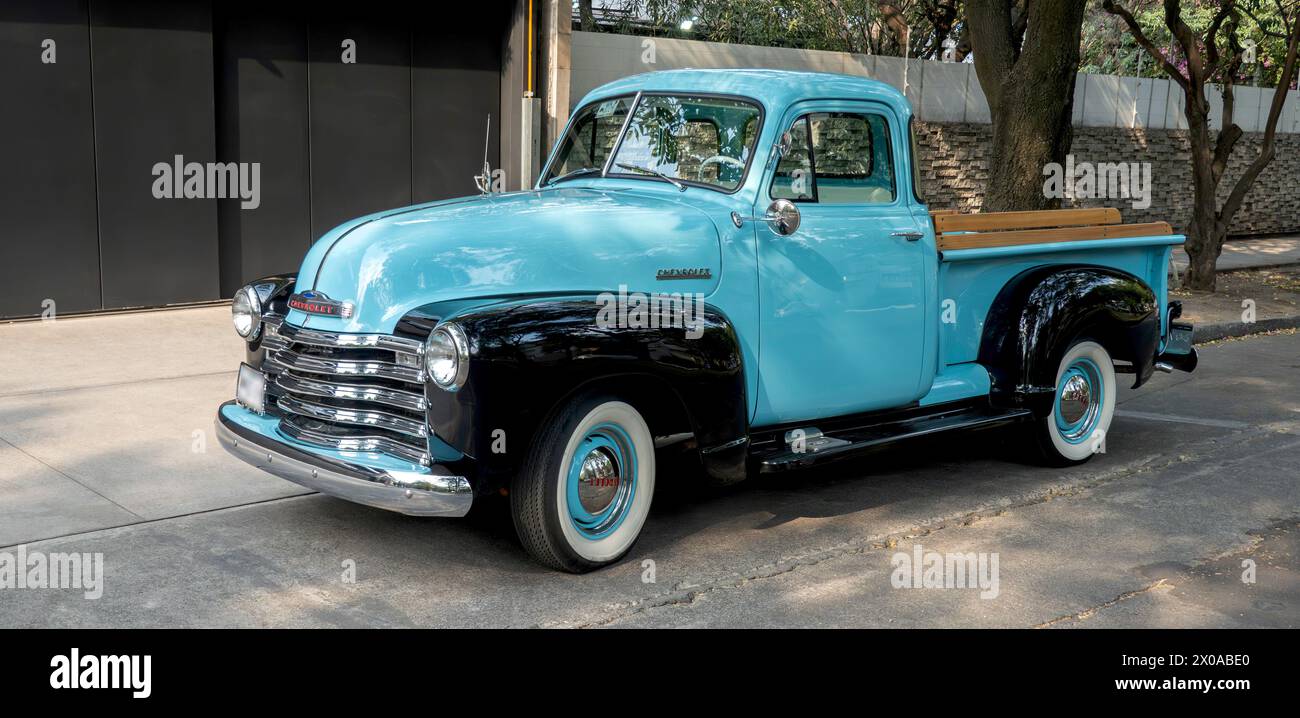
909	236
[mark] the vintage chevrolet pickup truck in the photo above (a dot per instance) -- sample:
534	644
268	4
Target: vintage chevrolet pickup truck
735	265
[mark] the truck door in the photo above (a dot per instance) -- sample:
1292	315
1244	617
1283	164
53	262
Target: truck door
843	299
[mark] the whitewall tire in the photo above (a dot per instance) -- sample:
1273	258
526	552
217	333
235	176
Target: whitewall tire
584	493
1082	406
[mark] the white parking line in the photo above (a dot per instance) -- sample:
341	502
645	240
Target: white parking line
1221	423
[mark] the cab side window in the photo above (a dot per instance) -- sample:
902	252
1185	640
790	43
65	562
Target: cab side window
837	158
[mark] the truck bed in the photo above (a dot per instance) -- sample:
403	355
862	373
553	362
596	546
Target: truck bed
979	253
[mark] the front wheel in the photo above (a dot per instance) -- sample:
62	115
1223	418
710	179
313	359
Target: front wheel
1082	407
584	492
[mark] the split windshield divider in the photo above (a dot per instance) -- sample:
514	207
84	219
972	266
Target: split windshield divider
622	132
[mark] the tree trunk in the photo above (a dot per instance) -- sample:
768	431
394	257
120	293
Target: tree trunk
1205	233
1030	130
1204	243
1030	89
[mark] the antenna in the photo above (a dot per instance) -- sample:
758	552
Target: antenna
484	181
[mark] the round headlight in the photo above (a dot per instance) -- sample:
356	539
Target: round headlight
446	357
246	313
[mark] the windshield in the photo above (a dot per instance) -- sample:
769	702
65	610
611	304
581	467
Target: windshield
591	137
696	140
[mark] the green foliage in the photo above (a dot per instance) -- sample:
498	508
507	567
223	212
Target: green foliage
859	26
1109	49
841	25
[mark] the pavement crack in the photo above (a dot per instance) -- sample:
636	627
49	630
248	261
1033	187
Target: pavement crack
1090	612
67	476
104	530
111	384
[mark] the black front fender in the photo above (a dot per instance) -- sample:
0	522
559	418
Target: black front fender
528	357
1042	311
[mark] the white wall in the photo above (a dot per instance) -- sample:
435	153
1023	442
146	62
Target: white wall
938	91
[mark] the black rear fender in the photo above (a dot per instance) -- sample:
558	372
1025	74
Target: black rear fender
1042	311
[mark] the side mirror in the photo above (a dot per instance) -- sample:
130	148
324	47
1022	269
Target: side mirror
783	217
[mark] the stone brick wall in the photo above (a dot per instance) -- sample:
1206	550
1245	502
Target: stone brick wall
954	169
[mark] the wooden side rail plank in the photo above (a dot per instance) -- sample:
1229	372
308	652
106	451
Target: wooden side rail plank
980	240
1042	219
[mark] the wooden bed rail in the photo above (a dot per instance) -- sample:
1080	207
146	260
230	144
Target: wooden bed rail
1006	229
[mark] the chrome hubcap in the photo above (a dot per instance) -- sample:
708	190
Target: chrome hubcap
601	481
598	481
1080	395
1076	397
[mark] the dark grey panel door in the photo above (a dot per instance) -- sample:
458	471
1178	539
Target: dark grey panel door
152	63
49	249
360	119
262	118
456	84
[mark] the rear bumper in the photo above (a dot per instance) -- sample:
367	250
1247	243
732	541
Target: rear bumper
1181	362
413	493
1177	351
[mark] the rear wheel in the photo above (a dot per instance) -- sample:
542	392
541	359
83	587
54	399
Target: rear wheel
1082	406
584	492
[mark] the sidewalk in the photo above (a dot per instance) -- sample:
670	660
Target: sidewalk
1265	298
1248	253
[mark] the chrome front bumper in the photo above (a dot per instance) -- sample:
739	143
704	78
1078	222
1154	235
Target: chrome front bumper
406	492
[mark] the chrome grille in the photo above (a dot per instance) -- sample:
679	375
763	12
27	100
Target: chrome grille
354	392
350	392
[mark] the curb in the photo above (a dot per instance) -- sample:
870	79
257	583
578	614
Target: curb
1182	268
1277	265
1227	330
1231	270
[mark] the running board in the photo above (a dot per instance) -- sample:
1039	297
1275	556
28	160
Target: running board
854	441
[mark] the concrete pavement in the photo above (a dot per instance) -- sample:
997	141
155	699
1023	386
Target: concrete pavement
1200	473
106	421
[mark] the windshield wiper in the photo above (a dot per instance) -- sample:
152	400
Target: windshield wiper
646	170
574	173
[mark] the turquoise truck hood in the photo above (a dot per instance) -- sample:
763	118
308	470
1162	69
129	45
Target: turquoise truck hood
559	240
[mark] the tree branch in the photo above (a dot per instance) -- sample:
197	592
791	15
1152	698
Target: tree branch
850	45
1228	73
1263	29
1223	150
1170	69
893	18
1186	39
1211	35
1247	179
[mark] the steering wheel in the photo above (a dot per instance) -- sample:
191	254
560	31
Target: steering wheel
724	160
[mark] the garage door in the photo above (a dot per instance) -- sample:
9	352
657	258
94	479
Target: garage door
139	82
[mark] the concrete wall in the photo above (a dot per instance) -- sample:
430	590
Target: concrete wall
954	170
939	92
